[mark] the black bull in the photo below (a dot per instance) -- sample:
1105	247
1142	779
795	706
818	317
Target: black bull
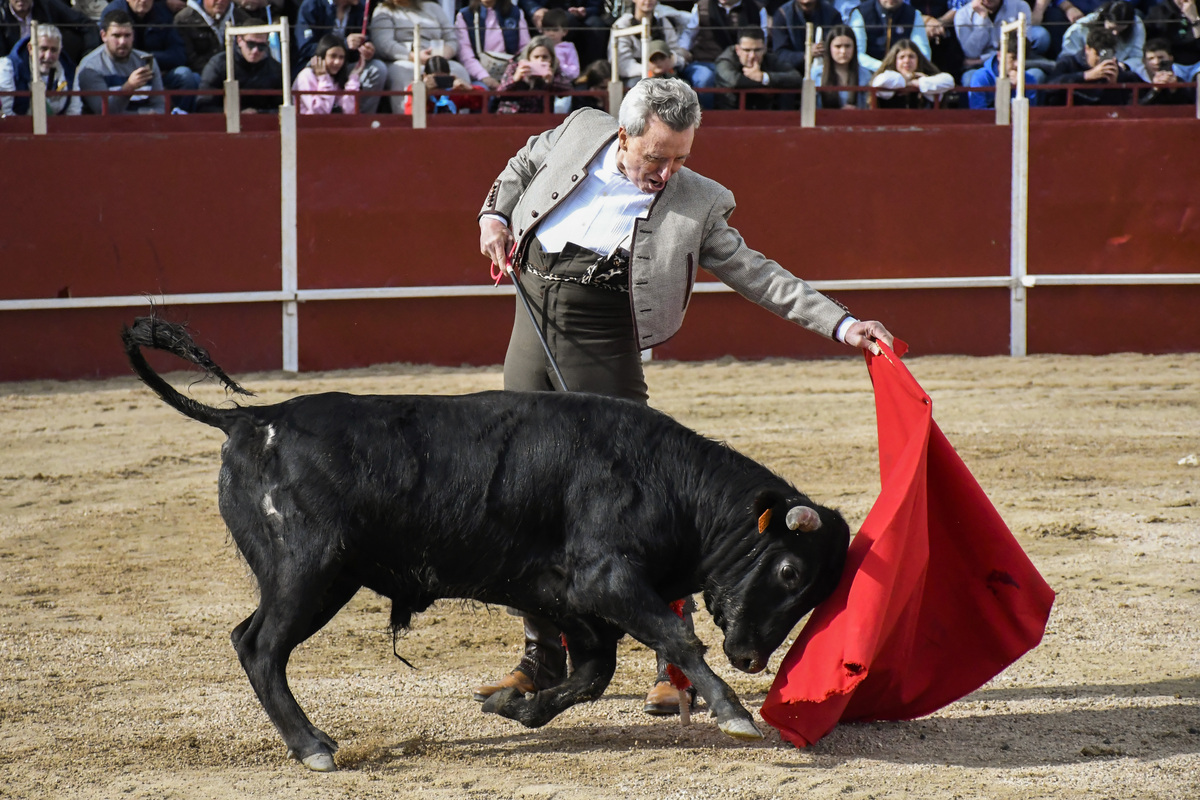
590	511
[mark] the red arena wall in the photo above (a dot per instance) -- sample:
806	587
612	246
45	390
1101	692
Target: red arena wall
147	212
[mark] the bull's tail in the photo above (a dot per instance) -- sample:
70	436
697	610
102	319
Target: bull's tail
161	335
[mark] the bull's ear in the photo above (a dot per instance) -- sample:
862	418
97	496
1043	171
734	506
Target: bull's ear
763	504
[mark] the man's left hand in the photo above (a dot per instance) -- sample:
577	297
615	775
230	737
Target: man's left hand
864	333
366	51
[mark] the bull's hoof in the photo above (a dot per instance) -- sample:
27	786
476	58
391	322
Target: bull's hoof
503	702
319	761
740	728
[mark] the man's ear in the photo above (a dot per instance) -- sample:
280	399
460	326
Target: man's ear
622	137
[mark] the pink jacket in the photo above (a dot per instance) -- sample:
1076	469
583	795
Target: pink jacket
309	81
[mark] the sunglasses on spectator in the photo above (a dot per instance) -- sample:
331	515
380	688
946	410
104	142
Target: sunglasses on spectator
260	46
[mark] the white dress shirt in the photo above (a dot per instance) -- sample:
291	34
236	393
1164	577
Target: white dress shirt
600	214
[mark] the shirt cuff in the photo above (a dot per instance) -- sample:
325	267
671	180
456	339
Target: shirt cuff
843	326
496	217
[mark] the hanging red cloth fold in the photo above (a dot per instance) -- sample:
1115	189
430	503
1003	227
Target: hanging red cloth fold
937	597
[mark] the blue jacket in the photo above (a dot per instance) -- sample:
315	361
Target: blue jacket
23	76
155	33
876	21
788	30
988	75
317	18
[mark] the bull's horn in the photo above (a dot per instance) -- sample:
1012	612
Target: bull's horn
803	518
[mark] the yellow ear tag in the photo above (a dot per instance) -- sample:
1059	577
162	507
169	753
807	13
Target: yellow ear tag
764	521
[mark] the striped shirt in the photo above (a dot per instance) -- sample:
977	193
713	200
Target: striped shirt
600	214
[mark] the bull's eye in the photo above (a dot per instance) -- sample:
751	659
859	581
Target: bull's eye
789	575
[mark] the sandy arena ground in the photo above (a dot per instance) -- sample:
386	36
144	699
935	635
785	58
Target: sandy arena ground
120	586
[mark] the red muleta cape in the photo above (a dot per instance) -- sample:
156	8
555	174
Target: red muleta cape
937	597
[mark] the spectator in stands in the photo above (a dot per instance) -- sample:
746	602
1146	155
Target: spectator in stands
154	32
978	29
1177	21
989	74
748	65
1158	67
328	72
535	68
594	77
661	60
587	23
1116	16
1097	64
253	68
879	24
120	70
788	30
16	75
315	18
201	25
254	12
663	26
554	26
437	78
490	33
938	18
839	67
712	28
905	66
79	33
392	26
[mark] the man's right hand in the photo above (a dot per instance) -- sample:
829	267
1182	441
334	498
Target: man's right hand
495	240
1104	71
138	78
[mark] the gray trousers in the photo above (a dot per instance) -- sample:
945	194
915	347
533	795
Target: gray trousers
589	331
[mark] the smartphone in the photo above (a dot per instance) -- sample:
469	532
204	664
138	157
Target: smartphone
1105	54
444	81
147	59
538	68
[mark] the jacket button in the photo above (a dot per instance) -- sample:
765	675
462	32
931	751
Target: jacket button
574	178
533	214
554	195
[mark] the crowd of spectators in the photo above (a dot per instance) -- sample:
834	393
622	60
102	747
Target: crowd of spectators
147	56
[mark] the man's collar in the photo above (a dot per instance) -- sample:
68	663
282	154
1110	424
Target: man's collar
607	168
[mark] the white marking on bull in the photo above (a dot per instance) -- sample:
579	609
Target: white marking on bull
268	506
270	436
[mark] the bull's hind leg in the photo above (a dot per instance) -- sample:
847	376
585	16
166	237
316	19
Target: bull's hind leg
593	646
264	642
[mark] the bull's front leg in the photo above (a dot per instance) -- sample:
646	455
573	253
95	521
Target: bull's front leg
647	618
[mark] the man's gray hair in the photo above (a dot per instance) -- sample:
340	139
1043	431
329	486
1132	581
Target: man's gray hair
669	99
49	32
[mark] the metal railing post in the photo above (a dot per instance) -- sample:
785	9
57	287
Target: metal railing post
616	90
808	88
1018	110
420	93
288	148
37	86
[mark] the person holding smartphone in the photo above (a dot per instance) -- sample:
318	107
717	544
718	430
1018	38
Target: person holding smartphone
1097	64
535	69
439	77
116	67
